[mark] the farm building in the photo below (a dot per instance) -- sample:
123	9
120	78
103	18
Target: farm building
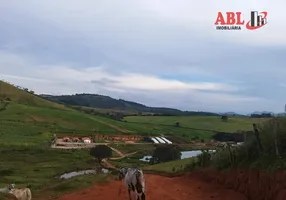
119	137
86	140
75	139
160	140
66	139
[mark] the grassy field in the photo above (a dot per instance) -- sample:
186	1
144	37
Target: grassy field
202	127
130	148
39	168
34	125
205	123
170	167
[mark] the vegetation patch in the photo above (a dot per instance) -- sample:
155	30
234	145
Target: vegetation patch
172	166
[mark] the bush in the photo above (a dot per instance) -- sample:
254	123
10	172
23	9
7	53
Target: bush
166	153
204	158
100	152
250	154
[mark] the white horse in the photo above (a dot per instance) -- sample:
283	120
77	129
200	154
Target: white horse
134	180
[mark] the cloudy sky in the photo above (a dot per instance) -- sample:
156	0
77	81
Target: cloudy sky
155	52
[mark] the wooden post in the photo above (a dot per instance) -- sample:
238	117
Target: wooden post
275	125
256	132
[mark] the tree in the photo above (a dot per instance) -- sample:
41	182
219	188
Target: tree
100	152
177	124
166	153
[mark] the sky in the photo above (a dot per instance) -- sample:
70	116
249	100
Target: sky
156	52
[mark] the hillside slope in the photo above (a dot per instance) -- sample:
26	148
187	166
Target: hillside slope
9	92
22	124
107	103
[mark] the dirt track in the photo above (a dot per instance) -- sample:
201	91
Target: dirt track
159	187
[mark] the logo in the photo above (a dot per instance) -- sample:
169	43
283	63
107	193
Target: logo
235	21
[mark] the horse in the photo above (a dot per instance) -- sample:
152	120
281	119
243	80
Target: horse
19	193
134	180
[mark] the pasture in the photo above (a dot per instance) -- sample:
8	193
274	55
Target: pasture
171	167
34	123
40	168
31	125
197	123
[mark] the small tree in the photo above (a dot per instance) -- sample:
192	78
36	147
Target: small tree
166	153
100	152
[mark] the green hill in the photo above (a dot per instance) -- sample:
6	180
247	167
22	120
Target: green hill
28	119
108	104
9	92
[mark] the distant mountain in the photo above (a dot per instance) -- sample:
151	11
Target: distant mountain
263	114
106	102
231	114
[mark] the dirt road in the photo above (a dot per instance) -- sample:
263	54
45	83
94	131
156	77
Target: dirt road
159	187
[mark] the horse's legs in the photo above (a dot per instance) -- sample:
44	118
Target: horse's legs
143	197
129	194
136	195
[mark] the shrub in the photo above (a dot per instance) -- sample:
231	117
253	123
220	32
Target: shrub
100	152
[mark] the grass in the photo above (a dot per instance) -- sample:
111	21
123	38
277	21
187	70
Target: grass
12	93
21	124
38	168
204	123
249	155
69	185
130	148
132	161
171	167
201	127
128	162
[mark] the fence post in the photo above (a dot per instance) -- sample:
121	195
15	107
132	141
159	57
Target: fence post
276	126
256	132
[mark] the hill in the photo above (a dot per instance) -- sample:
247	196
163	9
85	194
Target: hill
9	92
107	104
26	114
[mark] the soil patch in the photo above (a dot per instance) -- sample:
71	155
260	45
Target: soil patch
158	187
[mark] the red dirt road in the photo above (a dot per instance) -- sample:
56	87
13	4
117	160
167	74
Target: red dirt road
159	187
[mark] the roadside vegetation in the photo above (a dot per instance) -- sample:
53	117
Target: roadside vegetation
266	150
